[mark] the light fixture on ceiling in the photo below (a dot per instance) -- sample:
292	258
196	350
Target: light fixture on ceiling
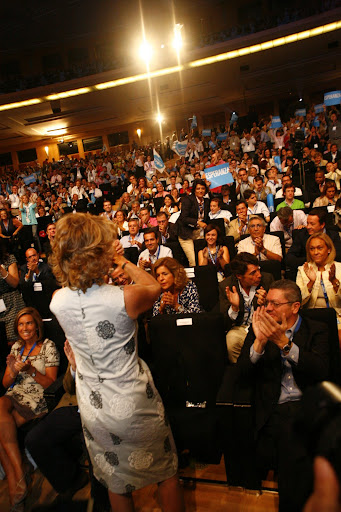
139	131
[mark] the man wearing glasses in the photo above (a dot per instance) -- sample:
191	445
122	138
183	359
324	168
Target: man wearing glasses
282	355
264	247
239	296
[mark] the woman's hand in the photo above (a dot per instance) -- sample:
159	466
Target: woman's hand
309	272
21	366
332	278
70	355
220	253
10	361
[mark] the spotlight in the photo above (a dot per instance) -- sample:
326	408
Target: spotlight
162	46
146	51
159	118
177	41
301	99
70	144
138	131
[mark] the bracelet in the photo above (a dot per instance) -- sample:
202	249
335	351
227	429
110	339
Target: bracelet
6	276
124	264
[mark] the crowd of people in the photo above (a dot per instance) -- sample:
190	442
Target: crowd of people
58	223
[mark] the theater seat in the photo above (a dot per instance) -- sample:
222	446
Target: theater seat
205	279
189	357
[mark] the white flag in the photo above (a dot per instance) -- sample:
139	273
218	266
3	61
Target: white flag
158	161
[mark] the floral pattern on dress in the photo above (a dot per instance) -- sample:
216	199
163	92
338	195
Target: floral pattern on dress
103	464
142	431
188	300
87	434
149	391
130	346
115	439
122	407
105	330
111	458
96	399
140	459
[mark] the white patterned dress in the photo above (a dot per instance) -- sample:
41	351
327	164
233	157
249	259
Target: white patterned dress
127	435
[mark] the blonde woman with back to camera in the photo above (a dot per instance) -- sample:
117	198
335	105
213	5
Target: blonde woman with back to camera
128	438
319	277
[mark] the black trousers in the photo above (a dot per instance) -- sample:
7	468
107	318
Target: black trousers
53	443
279	446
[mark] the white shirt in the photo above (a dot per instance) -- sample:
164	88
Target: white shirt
221	214
248	306
248	144
279	193
258	208
14	199
177	186
273	186
161	252
126	241
300	219
79	191
271	243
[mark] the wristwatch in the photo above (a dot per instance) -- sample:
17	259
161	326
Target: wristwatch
286	348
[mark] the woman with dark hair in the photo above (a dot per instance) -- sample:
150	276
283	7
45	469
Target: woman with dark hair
329	195
169	205
11	300
215	253
144	193
123	419
31	367
120	220
179	295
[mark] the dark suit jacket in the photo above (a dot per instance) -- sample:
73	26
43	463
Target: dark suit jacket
44	273
38	299
225	304
265	376
328	156
297	254
189	215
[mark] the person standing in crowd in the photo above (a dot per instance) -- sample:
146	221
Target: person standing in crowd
127	446
193	219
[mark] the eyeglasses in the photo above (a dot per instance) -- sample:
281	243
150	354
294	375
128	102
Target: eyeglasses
253	226
276	304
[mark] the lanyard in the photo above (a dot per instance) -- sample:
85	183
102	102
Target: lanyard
245	227
325	293
21	353
157	255
214	260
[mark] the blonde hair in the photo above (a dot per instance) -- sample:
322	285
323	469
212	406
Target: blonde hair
34	313
329	243
175	268
82	250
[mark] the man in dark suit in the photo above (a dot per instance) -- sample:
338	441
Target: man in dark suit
316	223
37	283
334	155
282	355
239	296
193	219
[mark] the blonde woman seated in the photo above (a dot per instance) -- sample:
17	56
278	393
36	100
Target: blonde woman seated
319	278
329	195
215	253
178	294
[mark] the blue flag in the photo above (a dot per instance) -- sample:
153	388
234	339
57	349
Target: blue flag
319	108
316	122
211	144
180	147
332	98
194	122
277	160
234	118
158	162
222	136
301	112
206	133
218	175
276	122
29	179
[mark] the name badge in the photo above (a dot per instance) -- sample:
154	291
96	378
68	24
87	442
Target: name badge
316	146
2	306
38	287
334	128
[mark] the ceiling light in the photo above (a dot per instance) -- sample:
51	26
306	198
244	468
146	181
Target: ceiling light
18	104
68	94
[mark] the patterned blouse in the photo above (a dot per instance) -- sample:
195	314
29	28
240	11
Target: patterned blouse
188	300
26	390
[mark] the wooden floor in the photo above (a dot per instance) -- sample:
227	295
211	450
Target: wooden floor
199	497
